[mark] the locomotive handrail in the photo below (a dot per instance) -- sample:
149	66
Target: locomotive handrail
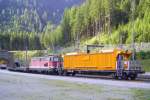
135	65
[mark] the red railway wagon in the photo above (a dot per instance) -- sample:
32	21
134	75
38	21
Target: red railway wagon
51	63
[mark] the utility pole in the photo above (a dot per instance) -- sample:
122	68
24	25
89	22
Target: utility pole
120	37
78	42
26	48
26	56
109	21
133	46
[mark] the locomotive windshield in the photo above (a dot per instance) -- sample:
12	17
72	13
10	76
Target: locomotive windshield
55	59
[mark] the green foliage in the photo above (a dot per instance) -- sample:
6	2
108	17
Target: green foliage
20	30
92	18
143	55
103	21
141	94
146	64
21	55
124	28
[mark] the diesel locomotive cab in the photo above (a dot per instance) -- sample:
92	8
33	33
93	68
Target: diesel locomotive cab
127	68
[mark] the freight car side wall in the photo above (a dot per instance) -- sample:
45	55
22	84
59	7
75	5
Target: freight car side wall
91	62
106	61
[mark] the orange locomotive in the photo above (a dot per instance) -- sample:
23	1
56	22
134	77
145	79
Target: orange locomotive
116	62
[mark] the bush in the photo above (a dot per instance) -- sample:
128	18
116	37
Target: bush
148	55
143	55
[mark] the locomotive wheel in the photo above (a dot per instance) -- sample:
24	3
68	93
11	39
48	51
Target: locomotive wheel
114	76
65	73
73	73
132	76
117	77
59	71
125	76
120	78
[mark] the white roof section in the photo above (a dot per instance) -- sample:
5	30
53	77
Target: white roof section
106	51
73	53
101	51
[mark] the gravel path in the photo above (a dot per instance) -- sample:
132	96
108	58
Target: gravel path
128	84
147	73
23	86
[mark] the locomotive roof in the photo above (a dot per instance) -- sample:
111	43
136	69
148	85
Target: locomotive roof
118	51
46	56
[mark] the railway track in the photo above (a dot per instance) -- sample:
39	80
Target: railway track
89	79
140	78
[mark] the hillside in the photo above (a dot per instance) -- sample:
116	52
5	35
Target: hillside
106	21
53	8
37	24
26	20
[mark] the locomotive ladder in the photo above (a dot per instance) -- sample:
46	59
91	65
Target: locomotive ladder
120	68
119	72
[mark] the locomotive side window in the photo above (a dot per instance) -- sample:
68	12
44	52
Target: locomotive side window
56	59
50	59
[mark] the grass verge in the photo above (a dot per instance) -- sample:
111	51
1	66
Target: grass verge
146	64
141	94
